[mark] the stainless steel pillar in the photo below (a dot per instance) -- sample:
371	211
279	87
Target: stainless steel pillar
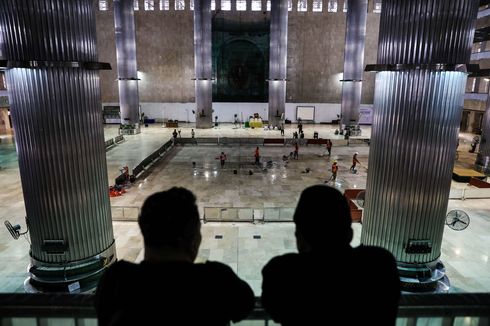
127	70
423	47
278	61
355	34
50	46
203	64
482	163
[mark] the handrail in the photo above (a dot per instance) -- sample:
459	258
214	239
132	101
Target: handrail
81	306
248	214
113	142
127	213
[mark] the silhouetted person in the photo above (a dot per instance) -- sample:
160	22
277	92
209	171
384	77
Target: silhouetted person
329	146
222	159
167	288
328	279
354	162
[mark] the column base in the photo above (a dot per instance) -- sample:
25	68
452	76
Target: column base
130	129
74	277
429	277
352	130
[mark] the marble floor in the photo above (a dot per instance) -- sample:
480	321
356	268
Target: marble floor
246	247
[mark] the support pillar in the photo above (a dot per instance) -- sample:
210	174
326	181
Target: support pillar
278	61
55	105
482	163
355	35
127	71
203	64
419	93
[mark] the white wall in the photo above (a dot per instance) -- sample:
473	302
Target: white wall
324	112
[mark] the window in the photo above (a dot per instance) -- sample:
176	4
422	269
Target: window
256	5
290	5
268	5
302	5
103	5
149	5
317	5
213	5
179	4
332	5
241	5
377	6
164	5
136	5
226	5
345	6
191	5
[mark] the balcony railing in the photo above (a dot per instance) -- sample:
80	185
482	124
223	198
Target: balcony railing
78	309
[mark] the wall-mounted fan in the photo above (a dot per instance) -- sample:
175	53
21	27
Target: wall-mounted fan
457	220
14	230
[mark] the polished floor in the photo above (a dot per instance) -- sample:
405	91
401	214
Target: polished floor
246	247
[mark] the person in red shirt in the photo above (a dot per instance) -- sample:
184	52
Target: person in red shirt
354	162
257	156
335	168
222	159
329	146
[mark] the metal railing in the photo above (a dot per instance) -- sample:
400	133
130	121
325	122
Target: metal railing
78	309
224	141
113	142
125	213
469	193
248	214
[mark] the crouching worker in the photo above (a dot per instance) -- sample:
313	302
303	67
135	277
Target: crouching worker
167	287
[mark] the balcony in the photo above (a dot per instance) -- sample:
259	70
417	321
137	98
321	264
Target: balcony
78	309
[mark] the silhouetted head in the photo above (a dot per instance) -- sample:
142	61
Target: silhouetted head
322	219
170	220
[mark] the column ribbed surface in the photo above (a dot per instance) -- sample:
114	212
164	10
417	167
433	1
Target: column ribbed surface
482	163
127	70
49	30
56	114
203	64
278	52
355	36
417	111
413	143
426	31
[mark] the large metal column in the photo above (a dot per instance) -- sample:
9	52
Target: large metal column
482	163
203	64
50	46
355	35
127	70
423	47
278	53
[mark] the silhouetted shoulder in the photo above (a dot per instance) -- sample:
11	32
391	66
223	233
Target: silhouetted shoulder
237	295
278	262
376	257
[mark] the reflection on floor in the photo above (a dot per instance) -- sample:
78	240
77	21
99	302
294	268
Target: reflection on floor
465	254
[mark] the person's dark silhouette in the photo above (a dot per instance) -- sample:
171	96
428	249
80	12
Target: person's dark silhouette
328	281
167	288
